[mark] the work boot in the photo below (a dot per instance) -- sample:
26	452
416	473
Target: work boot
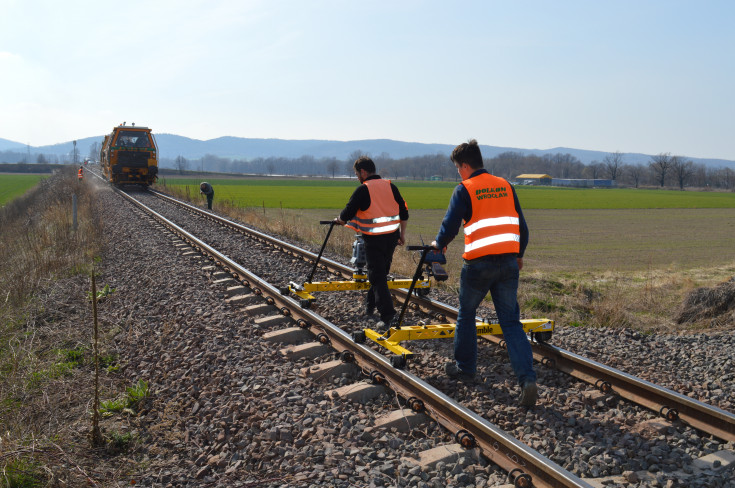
529	394
385	324
369	311
453	371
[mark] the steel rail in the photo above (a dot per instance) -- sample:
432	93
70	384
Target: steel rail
528	467
669	404
327	264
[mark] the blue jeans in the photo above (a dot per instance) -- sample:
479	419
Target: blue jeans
499	276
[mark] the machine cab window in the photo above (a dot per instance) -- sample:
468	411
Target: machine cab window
129	138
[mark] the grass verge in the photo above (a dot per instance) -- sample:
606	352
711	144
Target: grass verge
46	362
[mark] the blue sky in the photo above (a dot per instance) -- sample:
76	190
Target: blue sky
630	76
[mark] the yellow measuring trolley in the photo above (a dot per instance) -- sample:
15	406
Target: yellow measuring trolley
540	330
359	282
431	263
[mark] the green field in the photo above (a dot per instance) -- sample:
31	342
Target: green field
333	194
14	185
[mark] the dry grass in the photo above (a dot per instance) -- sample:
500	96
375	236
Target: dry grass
37	238
45	355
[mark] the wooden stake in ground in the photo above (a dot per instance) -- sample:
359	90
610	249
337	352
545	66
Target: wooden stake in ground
95	436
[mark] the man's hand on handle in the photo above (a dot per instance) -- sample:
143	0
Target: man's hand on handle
435	246
444	250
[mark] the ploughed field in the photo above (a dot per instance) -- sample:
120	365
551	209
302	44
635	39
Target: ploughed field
572	230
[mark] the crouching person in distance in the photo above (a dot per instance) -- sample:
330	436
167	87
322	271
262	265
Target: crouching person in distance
207	190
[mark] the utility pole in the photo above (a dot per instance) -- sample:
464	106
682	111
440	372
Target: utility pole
74	155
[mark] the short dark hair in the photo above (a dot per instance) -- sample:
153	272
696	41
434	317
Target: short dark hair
364	162
468	153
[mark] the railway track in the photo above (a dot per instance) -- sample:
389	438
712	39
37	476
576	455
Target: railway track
525	465
670	405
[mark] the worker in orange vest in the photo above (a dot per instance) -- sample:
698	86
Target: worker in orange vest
80	173
377	210
496	236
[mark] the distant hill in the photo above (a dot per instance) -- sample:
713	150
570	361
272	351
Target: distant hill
242	148
6	145
171	146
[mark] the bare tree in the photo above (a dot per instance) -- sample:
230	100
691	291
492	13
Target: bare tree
636	173
701	178
382	159
332	166
348	168
660	165
728	178
563	165
94	151
181	164
613	162
349	164
41	159
354	155
593	170
683	170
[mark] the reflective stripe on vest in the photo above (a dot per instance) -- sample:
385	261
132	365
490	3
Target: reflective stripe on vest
381	217
495	226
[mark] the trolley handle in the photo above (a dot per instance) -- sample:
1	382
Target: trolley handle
421	248
316	263
424	252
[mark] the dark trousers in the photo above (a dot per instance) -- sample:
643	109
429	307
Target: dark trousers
210	197
379	256
499	276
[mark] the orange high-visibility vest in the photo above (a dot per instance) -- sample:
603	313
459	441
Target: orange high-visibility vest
494	227
381	217
80	174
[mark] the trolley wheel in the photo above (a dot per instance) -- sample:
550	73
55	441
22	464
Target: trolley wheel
305	303
542	337
398	362
359	337
284	290
423	292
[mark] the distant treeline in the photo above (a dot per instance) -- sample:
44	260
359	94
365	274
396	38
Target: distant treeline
664	170
29	168
37	158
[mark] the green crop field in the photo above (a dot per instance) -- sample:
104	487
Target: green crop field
14	185
333	194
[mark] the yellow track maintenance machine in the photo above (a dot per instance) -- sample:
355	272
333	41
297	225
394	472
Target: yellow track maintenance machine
129	156
421	285
539	329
